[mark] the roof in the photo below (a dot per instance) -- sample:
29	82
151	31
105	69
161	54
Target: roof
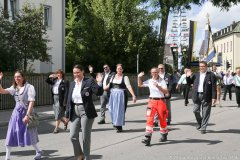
233	28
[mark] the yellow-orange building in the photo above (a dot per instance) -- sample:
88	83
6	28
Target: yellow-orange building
227	44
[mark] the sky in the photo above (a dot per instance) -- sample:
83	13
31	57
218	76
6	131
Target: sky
219	19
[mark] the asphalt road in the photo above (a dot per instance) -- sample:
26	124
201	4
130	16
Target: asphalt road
221	142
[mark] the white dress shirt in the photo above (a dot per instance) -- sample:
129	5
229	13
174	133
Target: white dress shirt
105	79
201	81
228	80
56	86
154	91
76	95
182	80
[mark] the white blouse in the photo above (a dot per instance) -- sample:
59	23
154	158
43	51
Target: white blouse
76	94
119	81
31	91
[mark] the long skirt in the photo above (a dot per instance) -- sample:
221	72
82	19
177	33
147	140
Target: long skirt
18	134
58	110
117	106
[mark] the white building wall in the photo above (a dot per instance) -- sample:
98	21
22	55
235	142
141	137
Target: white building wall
223	45
236	51
55	34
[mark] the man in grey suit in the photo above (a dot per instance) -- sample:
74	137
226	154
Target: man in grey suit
204	94
107	75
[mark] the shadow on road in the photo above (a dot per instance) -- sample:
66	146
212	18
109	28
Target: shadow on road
136	121
102	129
48	154
234	131
209	142
189	124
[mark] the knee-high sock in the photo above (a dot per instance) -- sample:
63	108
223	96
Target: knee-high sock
8	152
36	148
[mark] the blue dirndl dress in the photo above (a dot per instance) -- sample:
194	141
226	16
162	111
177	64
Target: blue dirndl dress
18	134
118	103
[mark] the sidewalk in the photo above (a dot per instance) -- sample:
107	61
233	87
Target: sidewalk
46	112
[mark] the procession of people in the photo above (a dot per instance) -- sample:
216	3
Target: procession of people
73	103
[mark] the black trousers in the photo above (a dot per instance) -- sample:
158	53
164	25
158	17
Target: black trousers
185	89
227	88
202	111
237	91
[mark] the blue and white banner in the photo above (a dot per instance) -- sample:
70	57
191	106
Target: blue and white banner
209	47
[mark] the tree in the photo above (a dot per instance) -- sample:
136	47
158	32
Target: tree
166	6
5	28
72	39
224	4
29	37
114	32
23	39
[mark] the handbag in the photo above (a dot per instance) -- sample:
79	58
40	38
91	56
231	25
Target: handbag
33	120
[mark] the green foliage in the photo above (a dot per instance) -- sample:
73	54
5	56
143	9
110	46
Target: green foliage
225	4
112	32
5	38
25	38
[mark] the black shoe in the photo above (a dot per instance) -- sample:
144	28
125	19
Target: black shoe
186	104
169	123
65	126
224	99
155	124
163	137
147	140
119	129
55	131
198	127
101	122
203	131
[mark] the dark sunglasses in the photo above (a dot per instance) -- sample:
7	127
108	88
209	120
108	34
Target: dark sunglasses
105	67
160	68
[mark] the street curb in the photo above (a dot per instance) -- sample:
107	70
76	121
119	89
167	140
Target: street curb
44	117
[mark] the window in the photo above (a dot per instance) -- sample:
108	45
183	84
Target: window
224	48
47	16
227	46
221	48
14	4
231	46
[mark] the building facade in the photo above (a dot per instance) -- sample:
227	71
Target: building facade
227	45
54	18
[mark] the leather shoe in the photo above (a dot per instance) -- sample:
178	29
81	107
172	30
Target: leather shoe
203	131
101	122
119	129
55	131
169	123
65	126
80	157
198	127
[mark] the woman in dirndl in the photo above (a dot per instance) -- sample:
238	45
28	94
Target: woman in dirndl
18	133
119	98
